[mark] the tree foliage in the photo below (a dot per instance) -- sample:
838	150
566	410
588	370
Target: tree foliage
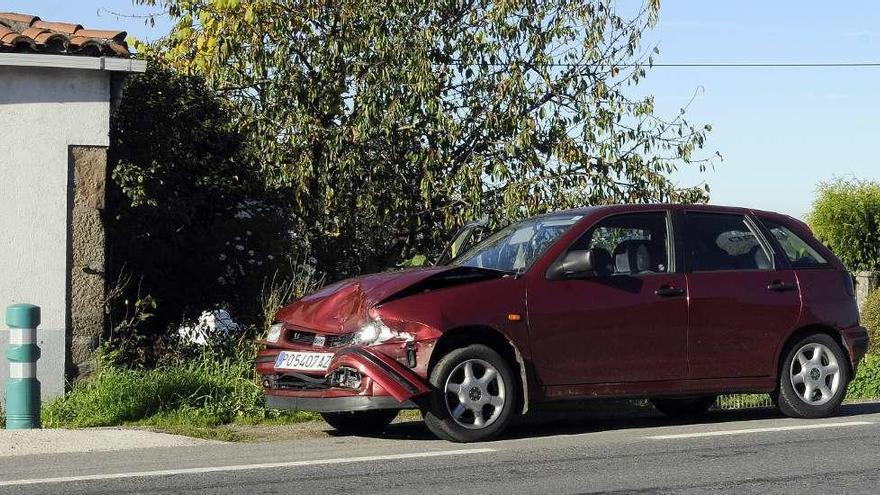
190	226
846	217
386	123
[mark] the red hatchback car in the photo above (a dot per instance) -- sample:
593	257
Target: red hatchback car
674	303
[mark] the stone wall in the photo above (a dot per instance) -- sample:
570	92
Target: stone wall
88	239
865	283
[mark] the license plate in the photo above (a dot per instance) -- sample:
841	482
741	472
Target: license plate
303	361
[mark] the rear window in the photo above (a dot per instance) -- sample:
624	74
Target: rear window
721	242
799	253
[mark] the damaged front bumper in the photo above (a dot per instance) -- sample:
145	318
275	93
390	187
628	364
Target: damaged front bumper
336	404
357	379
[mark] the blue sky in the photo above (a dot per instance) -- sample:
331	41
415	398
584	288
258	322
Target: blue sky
781	131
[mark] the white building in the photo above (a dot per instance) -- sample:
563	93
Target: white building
57	84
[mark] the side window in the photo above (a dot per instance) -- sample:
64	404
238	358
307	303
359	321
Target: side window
636	244
719	242
798	251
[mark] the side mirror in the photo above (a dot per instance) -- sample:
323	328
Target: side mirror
582	264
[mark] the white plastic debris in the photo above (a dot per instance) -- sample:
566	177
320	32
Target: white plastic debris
212	326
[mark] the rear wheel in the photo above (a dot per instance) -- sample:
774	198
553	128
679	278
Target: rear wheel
475	395
360	421
813	377
691	407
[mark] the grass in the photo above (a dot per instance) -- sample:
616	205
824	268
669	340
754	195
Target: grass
195	397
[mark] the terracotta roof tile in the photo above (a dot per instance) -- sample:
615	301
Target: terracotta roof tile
28	33
9	37
117	36
45	37
22	18
61	27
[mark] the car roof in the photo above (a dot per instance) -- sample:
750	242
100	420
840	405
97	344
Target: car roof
591	211
637	207
588	211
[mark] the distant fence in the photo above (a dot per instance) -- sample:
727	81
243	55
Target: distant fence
743	401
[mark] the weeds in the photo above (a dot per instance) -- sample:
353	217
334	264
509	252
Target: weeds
203	392
279	291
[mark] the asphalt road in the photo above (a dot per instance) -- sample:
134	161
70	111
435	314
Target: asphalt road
742	452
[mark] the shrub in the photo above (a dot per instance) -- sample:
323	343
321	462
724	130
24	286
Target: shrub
190	222
866	384
846	217
871	319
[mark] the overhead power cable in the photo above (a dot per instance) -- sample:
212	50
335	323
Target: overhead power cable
781	65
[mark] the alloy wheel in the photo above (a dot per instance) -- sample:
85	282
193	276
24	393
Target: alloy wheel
475	394
815	374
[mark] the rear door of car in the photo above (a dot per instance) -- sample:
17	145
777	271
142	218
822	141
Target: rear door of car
827	289
741	300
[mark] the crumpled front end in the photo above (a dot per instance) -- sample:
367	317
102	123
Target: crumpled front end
357	379
342	349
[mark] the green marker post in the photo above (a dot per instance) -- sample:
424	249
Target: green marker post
22	387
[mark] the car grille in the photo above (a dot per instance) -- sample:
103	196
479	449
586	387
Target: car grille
295	381
303	337
300	337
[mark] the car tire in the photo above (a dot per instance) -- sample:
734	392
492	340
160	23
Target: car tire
360	421
810	385
474	395
690	407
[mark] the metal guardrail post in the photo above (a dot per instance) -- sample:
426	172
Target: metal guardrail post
22	388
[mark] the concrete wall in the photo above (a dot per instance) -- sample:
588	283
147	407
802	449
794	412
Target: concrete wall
43	113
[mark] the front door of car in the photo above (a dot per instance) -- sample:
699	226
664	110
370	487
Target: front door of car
740	304
626	325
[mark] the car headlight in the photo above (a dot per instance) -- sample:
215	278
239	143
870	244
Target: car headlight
274	332
376	332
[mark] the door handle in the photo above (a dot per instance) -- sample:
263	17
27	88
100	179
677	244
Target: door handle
669	291
780	286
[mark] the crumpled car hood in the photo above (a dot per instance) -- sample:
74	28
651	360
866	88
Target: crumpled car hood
344	306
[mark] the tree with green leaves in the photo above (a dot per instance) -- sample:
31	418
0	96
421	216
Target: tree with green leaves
191	226
388	123
846	217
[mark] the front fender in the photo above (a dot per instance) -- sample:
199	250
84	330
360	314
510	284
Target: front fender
400	382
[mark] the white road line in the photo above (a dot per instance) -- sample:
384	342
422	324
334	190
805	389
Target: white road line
241	467
721	433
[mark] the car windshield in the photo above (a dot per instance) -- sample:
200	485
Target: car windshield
515	247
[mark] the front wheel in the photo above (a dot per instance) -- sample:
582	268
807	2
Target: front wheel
475	395
360	421
813	378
